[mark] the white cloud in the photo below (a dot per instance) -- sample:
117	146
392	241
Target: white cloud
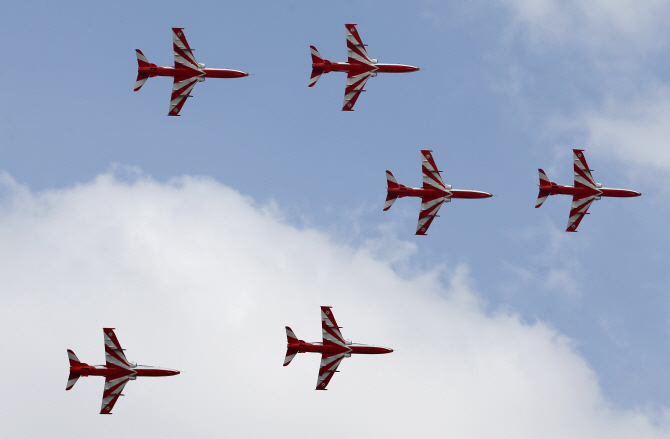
612	25
197	277
637	130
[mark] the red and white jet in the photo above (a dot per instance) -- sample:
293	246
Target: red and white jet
359	67
333	349
186	71
117	371
433	193
584	192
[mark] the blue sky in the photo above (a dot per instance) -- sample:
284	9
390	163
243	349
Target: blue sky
505	87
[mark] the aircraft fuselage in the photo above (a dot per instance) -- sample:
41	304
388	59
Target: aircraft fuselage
404	191
336	349
140	371
155	70
559	189
328	66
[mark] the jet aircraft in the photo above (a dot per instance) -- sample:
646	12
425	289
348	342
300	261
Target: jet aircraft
584	192
433	193
333	349
186	71
117	371
359	67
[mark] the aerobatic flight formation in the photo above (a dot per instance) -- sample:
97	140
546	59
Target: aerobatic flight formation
117	371
433	193
186	71
333	349
359	67
584	192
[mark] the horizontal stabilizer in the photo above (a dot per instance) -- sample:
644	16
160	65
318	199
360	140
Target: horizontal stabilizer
316	74
544	180
141	59
390	199
391	182
74	361
290	353
141	79
316	56
290	336
72	380
540	198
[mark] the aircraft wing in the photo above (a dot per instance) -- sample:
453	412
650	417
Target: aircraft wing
114	352
356	52
583	178
113	387
431	176
355	83
580	204
183	54
329	329
181	87
329	364
429	208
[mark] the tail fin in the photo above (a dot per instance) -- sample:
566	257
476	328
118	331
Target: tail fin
391	184
290	353
73	377
141	62
316	56
72	380
544	180
141	59
290	336
316	59
74	361
390	181
541	197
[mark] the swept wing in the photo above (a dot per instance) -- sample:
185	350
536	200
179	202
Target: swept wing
431	176
329	364
583	178
113	387
356	52
333	337
183	59
580	204
114	355
181	89
429	208
329	329
355	83
431	180
183	54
